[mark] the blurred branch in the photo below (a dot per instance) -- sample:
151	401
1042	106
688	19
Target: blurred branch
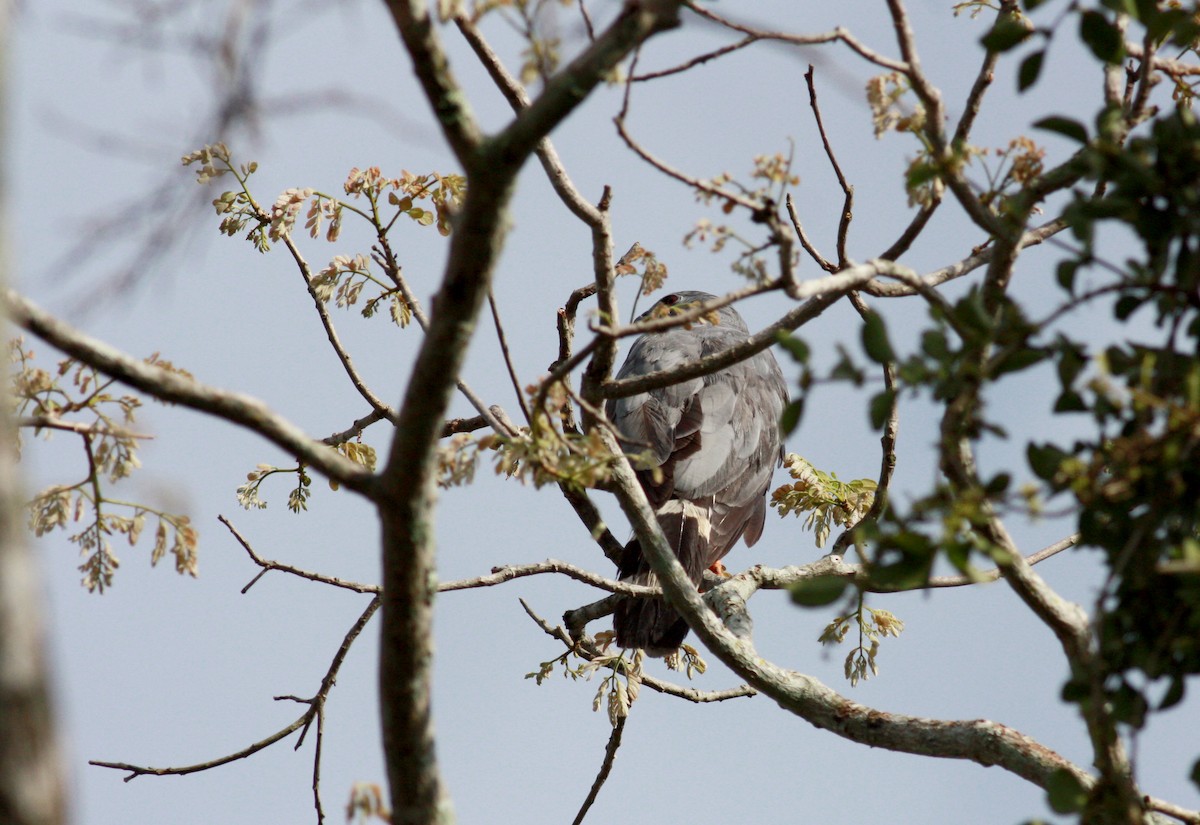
33	785
53	422
837	35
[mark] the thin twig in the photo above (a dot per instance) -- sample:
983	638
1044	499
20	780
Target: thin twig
507	355
387	259
587	650
499	575
610	754
887	445
339	349
805	241
837	35
315	706
698	60
267	566
847	190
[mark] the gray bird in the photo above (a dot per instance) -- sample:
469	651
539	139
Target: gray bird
715	443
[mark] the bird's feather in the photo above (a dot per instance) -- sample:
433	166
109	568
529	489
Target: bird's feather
716	443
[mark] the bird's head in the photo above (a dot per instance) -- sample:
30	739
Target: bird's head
677	303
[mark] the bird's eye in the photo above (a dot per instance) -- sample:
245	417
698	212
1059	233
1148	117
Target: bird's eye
670	300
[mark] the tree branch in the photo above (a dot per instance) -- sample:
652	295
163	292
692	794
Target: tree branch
837	35
980	741
315	712
169	386
508	572
409	477
433	71
610	754
267	566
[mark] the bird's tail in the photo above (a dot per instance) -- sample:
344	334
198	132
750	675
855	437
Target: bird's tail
652	624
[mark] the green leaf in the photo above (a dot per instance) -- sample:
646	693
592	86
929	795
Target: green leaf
1045	459
1065	792
1006	34
1065	274
875	340
933	342
1101	36
818	592
845	369
791	416
1029	70
919	174
794	346
1126	305
998	485
1075	692
881	408
1070	401
1174	694
1122	6
1065	126
1019	360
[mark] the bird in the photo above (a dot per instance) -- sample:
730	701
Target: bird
710	446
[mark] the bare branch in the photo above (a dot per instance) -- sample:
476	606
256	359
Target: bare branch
698	60
315	710
887	445
805	241
165	385
509	572
847	190
610	754
518	99
502	339
53	422
837	35
267	566
967	265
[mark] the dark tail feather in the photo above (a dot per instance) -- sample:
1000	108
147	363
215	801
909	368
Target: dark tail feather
652	624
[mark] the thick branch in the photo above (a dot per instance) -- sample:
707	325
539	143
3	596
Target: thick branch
408	478
433	71
980	741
